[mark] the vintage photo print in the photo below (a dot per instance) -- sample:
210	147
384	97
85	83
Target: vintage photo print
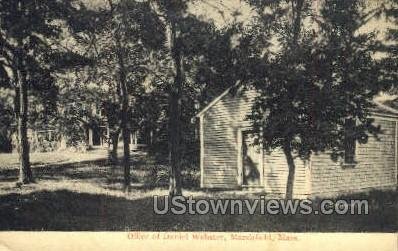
171	124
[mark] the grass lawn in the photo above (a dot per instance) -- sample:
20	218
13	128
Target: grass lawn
51	158
87	195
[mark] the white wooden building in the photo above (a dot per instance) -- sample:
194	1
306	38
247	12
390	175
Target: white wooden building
229	161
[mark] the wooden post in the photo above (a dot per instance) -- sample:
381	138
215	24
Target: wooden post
63	142
396	152
133	146
108	135
135	135
202	152
90	137
240	167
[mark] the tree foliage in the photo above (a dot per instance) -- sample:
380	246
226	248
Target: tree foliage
29	36
323	74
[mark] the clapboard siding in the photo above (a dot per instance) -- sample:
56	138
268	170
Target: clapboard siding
220	128
376	167
221	123
276	172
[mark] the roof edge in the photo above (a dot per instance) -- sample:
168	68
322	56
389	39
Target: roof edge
215	101
219	97
386	108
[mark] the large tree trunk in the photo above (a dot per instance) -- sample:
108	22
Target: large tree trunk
297	8
25	172
125	124
126	150
292	168
124	97
175	141
175	116
169	19
114	141
124	117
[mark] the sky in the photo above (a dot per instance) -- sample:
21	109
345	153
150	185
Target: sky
221	11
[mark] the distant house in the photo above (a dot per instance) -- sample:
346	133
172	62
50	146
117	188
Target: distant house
95	128
228	160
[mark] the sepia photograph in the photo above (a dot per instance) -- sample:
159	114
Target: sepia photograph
230	121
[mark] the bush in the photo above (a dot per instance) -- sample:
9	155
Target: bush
42	144
191	179
79	147
5	143
159	176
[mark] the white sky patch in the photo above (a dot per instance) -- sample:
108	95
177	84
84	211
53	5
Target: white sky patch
222	12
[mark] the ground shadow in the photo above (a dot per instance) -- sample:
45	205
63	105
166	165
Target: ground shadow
64	210
94	171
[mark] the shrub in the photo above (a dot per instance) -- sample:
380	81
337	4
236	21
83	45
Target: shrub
158	175
191	179
41	143
5	143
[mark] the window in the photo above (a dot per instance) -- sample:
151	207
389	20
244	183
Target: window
349	141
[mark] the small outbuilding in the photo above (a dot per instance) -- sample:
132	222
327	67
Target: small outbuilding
229	160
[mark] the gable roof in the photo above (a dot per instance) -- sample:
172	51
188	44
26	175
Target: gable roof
215	101
389	107
385	107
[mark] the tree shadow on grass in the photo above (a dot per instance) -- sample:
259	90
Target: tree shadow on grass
97	172
64	210
55	169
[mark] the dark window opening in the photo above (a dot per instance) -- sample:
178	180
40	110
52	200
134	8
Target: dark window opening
349	141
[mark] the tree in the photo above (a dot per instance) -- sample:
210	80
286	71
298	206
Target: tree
198	62
120	37
323	78
29	30
187	41
92	90
6	121
390	63
77	103
172	13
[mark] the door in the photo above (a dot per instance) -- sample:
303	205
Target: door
96	136
252	164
